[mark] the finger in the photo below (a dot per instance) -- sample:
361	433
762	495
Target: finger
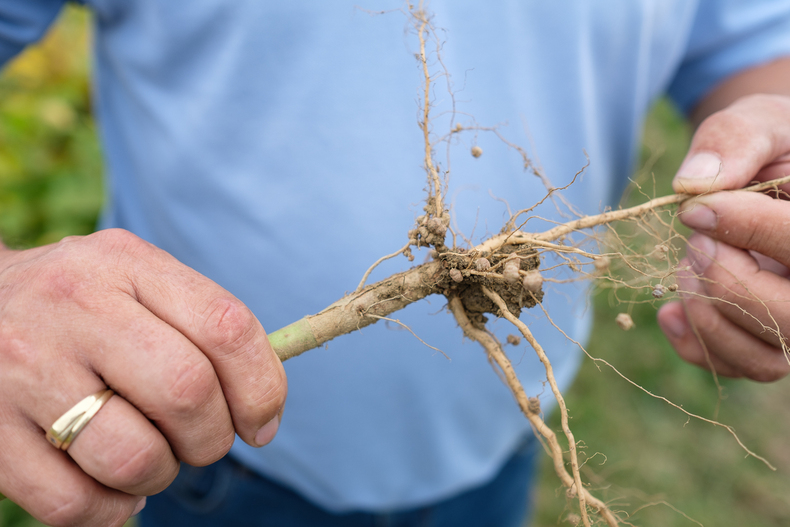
164	375
223	328
118	447
121	449
778	168
674	323
47	483
751	298
684	335
703	336
731	146
747	220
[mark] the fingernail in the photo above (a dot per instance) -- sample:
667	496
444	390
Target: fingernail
140	507
701	251
267	432
674	325
698	216
703	167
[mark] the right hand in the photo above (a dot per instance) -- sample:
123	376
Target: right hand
734	314
190	365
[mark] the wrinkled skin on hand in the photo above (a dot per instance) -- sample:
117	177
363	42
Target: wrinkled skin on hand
738	294
190	364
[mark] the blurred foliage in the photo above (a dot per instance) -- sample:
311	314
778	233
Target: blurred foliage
50	187
50	163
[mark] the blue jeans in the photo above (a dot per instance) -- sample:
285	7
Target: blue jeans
228	494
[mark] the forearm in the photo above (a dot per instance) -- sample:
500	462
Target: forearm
770	78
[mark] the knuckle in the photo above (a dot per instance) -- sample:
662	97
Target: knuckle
117	247
192	386
116	239
76	266
229	324
70	239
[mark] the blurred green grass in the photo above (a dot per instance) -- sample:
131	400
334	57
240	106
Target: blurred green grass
50	162
51	186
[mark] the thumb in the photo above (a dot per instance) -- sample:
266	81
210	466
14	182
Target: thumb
733	145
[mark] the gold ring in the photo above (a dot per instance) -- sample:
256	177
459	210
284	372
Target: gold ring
70	424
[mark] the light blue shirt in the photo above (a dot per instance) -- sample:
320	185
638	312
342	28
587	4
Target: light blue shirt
273	146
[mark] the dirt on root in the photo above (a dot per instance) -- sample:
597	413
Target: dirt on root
470	291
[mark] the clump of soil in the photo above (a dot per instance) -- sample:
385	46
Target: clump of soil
469	289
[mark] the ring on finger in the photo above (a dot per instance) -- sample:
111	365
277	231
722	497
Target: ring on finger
70	424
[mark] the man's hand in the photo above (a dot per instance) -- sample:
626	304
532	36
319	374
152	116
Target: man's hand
737	309
190	365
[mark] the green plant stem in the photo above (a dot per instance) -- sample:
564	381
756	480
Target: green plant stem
359	309
294	339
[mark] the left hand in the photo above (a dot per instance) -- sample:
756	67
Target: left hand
737	301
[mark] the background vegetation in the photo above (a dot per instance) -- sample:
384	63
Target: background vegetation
50	187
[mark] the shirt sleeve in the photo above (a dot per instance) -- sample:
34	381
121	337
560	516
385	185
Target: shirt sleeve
729	36
23	22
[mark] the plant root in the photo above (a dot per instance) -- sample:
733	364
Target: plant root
378	300
532	410
396	292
